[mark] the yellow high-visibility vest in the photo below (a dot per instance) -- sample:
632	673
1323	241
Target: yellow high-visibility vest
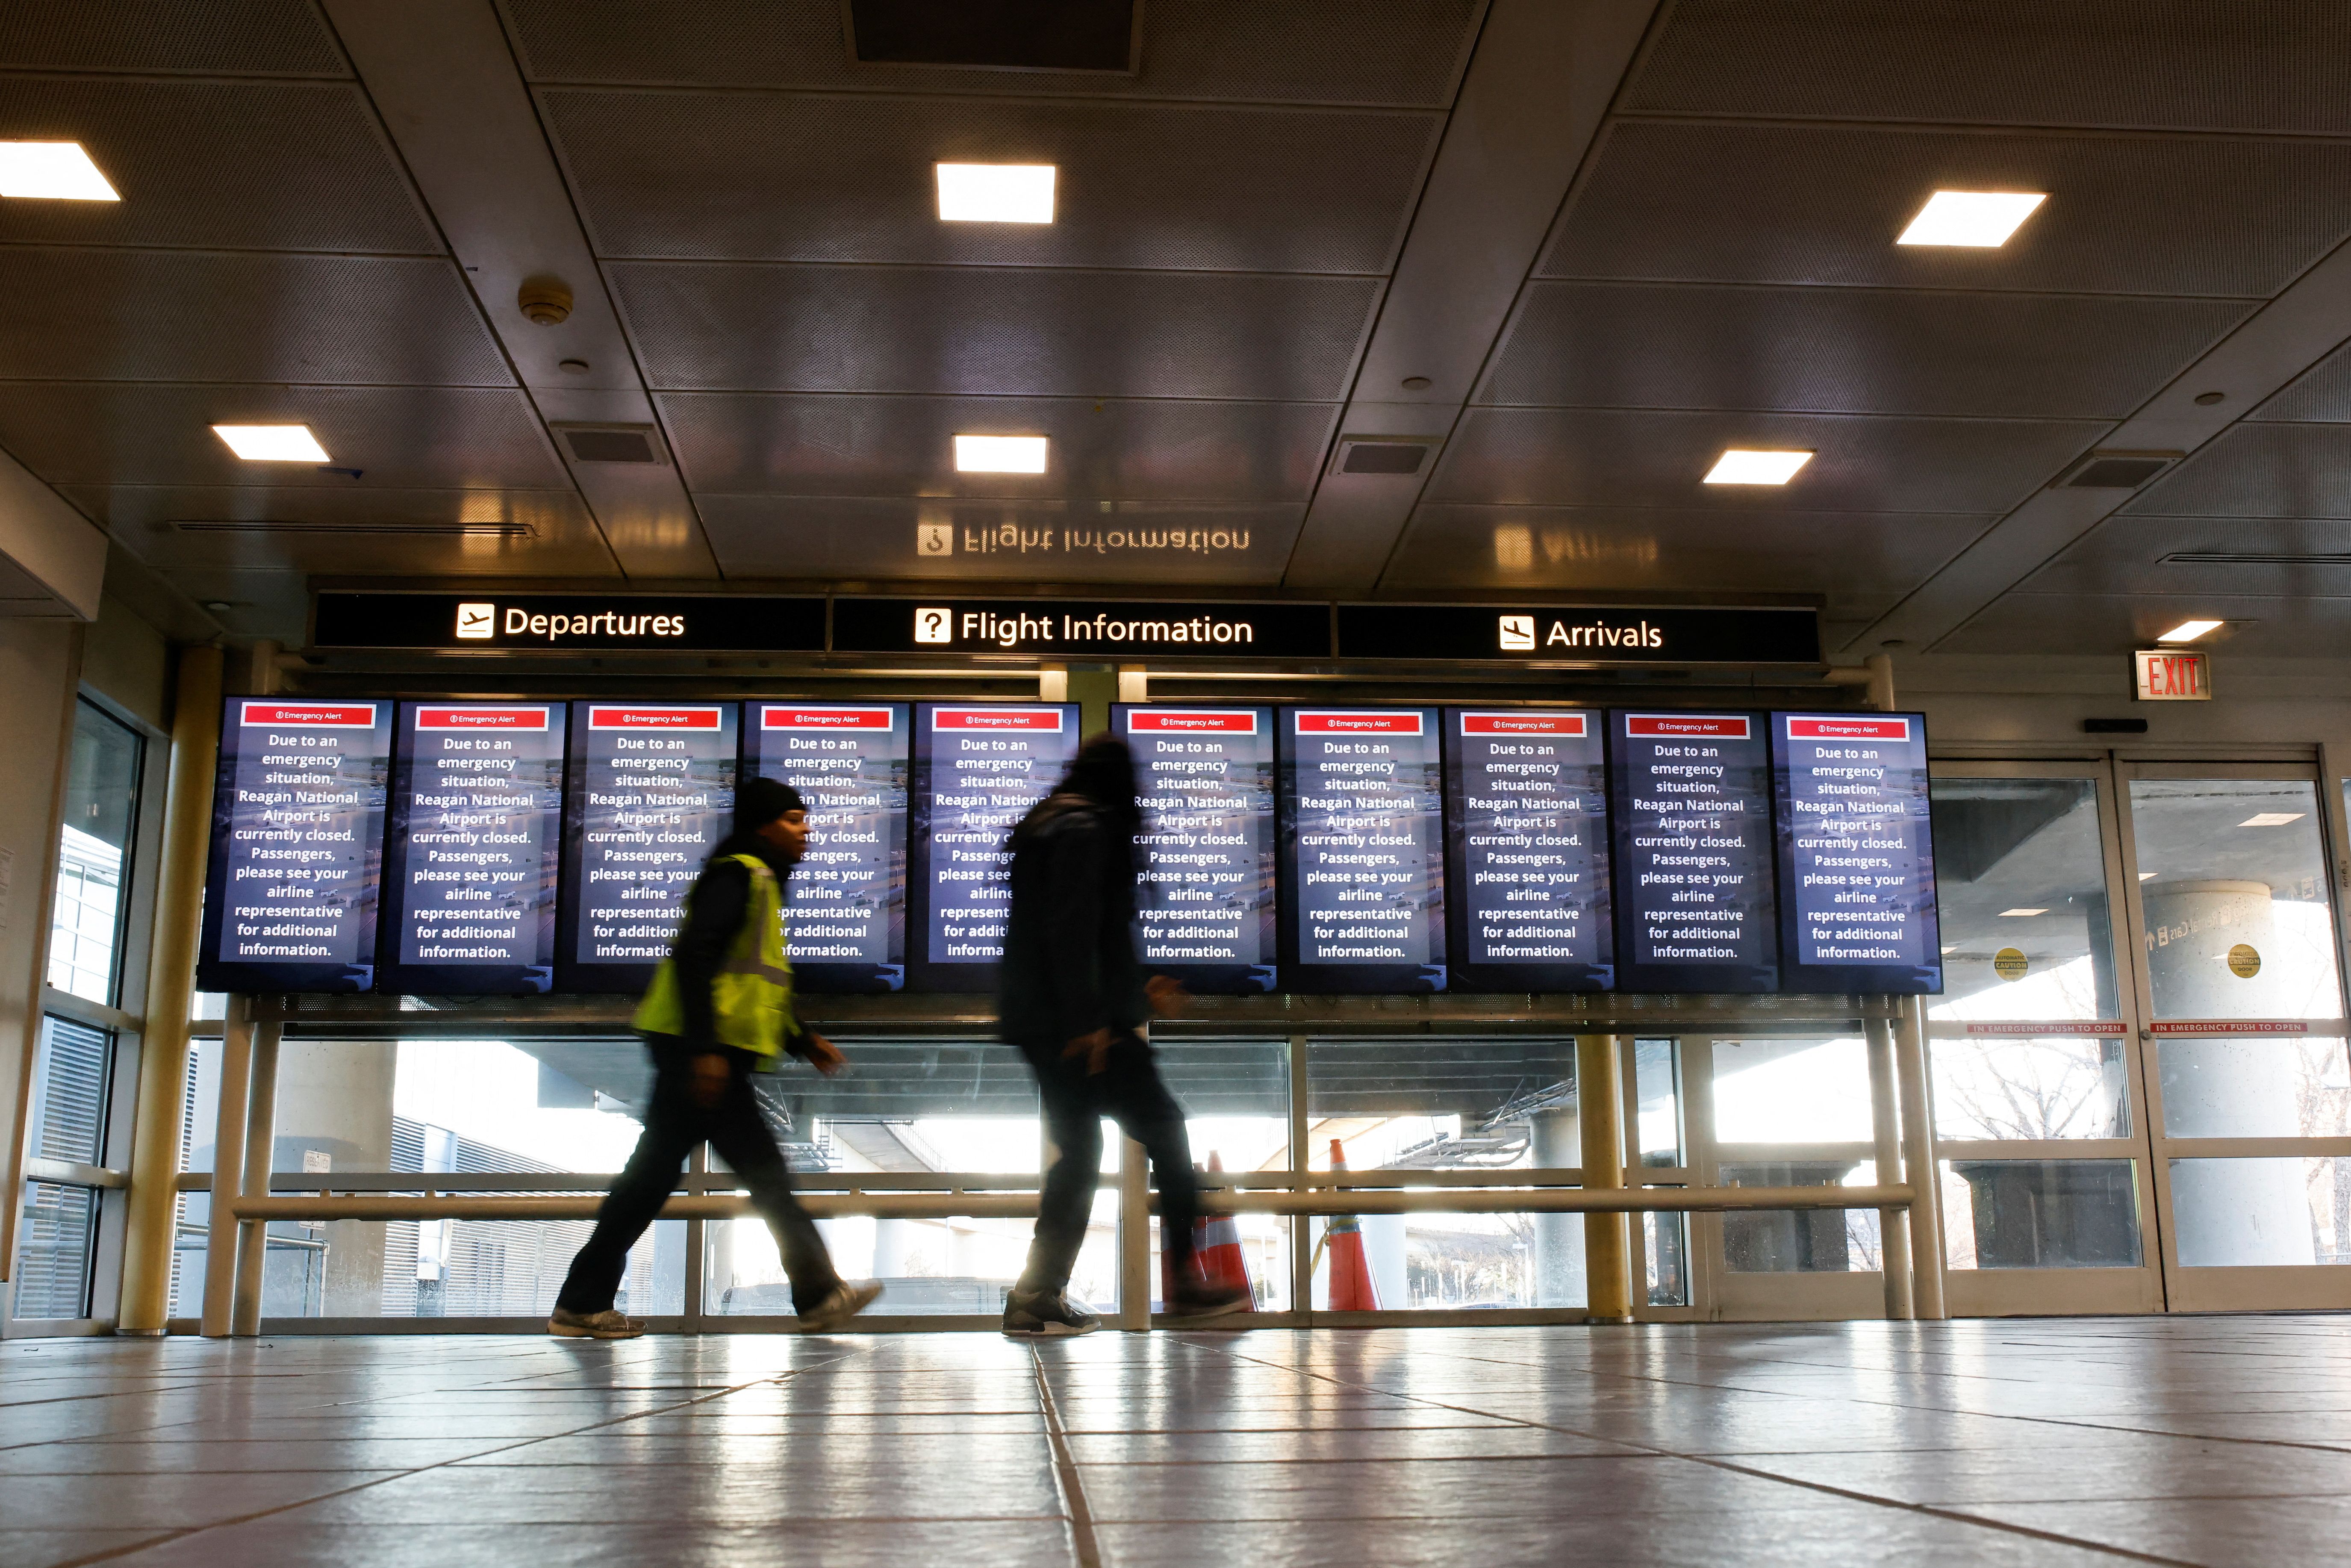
751	1000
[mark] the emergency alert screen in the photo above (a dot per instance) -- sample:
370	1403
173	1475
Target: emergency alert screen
978	768
652	792
846	913
1691	803
1363	849
1527	850
1205	895
1856	861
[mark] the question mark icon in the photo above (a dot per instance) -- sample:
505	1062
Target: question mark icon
933	626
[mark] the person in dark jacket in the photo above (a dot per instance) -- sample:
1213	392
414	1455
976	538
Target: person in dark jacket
1075	1001
719	1010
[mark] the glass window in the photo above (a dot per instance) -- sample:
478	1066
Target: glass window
1666	1248
2233	882
2030	1087
2284	1212
1443	1105
2254	1088
57	1239
73	1070
2041	1214
1791	1091
1803	1241
2020	879
1447	1262
100	816
1657	1083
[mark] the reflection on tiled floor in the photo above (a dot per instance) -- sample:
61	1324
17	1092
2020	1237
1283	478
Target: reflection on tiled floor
2202	1440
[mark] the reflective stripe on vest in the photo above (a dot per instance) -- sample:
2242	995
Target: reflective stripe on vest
751	996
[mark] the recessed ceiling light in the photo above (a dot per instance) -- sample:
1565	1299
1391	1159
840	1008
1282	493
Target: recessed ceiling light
999	453
52	171
272	442
2019	914
2189	630
1983	219
1738	467
2271	819
996	193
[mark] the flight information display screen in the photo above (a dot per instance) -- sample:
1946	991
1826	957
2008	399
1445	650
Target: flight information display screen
290	893
1691	800
846	901
1856	858
978	766
1363	849
476	837
652	792
1205	901
1526	794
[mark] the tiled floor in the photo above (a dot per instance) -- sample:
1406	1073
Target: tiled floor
2203	1440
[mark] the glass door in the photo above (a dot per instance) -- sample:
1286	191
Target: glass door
2240	987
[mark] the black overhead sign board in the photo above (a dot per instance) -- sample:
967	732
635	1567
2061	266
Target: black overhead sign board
569	623
1586	634
1081	628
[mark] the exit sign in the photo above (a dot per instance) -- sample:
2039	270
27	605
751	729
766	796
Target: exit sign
2169	675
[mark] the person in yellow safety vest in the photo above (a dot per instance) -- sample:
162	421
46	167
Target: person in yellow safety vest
719	1009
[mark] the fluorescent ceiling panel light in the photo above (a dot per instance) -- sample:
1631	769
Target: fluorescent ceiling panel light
1738	467
996	193
2271	819
2189	630
2019	914
52	171
272	442
1981	219
999	453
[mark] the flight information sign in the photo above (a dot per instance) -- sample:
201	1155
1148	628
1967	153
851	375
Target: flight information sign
978	766
1204	899
1691	804
652	792
1526	850
476	834
298	841
847	898
1856	861
1362	849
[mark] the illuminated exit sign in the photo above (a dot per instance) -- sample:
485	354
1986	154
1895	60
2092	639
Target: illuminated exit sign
2169	675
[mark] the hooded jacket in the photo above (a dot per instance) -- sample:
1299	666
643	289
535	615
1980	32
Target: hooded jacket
1070	965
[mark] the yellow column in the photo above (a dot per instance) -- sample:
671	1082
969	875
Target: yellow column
170	979
1893	1224
1607	1251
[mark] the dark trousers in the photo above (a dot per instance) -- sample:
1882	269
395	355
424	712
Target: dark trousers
673	1124
1074	1102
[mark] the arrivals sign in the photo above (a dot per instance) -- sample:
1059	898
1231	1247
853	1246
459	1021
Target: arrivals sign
1581	634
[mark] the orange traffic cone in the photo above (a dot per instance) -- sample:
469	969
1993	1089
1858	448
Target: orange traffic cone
1217	1248
1351	1289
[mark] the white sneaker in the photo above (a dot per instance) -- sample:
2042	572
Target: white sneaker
845	1302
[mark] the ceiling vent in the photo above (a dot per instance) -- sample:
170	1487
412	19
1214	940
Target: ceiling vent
2256	558
2117	470
997	35
1392	455
611	442
428	530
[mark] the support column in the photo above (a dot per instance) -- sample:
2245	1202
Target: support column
1918	1161
1302	1227
1133	1238
229	1121
1893	1224
1555	1140
171	984
1607	1255
260	1158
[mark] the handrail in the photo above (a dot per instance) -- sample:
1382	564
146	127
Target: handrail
1371	1178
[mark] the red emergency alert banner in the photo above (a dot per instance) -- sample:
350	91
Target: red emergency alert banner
481	718
1848	729
1193	721
1345	723
826	718
1044	718
1573	725
1701	726
309	716
652	718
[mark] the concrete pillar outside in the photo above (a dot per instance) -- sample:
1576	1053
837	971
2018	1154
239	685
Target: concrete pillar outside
1556	1141
334	1099
1384	1252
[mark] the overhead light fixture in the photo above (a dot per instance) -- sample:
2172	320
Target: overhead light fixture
1981	219
2019	914
52	171
996	193
999	453
272	442
1741	467
2271	819
2189	630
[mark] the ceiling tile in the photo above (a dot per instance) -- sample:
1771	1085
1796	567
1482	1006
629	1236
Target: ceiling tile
131	433
2258	471
2116	623
253	166
1404	52
804	444
2129	555
1659	458
1011	331
2321	395
1017	541
2176	63
228	37
1848	350
146	315
1699	201
807	177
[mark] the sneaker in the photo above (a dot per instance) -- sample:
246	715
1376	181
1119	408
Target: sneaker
1046	1315
845	1302
1200	1300
606	1324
